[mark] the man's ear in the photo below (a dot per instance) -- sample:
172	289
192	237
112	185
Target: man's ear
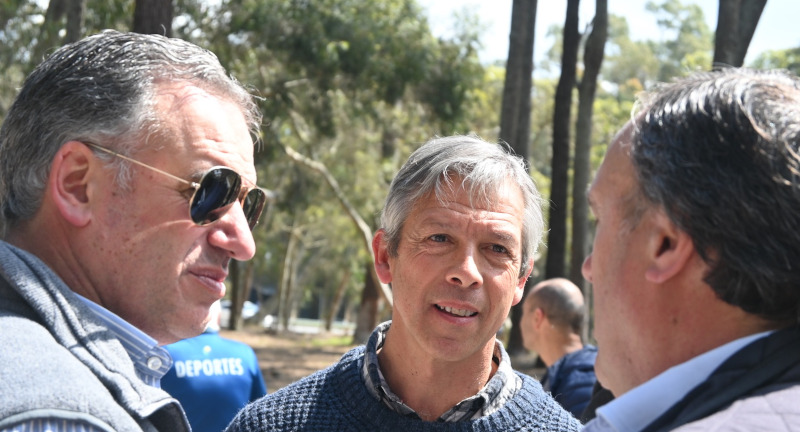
68	183
538	318
381	252
519	290
669	249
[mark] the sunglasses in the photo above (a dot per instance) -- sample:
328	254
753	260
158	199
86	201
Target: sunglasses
214	194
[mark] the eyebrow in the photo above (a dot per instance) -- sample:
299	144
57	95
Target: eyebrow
502	235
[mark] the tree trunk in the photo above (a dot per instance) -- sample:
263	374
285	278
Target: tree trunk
363	227
75	16
515	344
153	17
592	59
48	39
237	296
285	288
736	24
368	311
515	114
330	315
557	237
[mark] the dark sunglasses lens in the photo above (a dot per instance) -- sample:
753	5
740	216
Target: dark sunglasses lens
218	189
253	206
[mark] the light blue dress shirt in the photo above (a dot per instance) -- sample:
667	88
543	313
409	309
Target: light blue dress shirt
640	406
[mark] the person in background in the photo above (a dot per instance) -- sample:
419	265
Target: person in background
695	259
459	231
553	317
213	377
127	185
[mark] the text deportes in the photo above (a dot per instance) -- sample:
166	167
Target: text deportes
208	367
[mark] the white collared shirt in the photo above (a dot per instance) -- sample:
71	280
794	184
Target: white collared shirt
150	360
640	406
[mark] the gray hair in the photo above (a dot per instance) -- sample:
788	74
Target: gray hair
483	167
100	89
718	152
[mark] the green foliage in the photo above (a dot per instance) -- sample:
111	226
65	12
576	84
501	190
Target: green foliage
689	35
357	85
628	64
343	91
779	59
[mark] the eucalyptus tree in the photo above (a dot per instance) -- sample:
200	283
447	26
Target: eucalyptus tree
562	123
345	99
688	43
736	24
594	50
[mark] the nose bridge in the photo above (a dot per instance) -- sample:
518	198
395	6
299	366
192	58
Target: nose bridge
465	268
232	233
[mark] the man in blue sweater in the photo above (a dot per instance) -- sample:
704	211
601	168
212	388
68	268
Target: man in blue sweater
552	322
459	231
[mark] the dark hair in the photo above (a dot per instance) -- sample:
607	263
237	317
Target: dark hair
561	306
99	89
718	151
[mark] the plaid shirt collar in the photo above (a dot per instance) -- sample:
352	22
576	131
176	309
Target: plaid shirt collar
500	388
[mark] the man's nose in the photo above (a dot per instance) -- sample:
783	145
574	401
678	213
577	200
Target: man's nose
233	234
464	271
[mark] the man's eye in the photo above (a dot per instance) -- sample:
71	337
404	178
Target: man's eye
499	249
438	238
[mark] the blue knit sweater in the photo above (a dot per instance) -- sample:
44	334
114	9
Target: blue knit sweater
336	399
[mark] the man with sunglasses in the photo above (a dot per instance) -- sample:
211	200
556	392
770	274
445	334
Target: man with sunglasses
127	185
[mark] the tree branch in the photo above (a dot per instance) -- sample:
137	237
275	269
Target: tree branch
366	231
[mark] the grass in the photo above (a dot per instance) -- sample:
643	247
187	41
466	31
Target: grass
332	341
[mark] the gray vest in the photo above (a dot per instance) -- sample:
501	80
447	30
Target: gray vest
59	361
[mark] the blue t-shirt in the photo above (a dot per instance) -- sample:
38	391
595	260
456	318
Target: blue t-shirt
213	378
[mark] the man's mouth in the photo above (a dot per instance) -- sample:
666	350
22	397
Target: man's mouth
456	312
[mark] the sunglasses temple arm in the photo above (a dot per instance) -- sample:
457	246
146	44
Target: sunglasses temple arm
142	164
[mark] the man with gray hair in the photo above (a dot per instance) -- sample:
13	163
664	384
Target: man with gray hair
695	260
458	234
552	323
127	185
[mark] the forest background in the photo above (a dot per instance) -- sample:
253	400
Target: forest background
349	88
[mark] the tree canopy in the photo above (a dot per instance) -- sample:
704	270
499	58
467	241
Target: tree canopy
355	86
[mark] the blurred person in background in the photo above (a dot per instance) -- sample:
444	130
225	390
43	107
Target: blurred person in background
553	318
213	377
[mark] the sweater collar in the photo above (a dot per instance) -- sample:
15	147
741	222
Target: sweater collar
500	388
